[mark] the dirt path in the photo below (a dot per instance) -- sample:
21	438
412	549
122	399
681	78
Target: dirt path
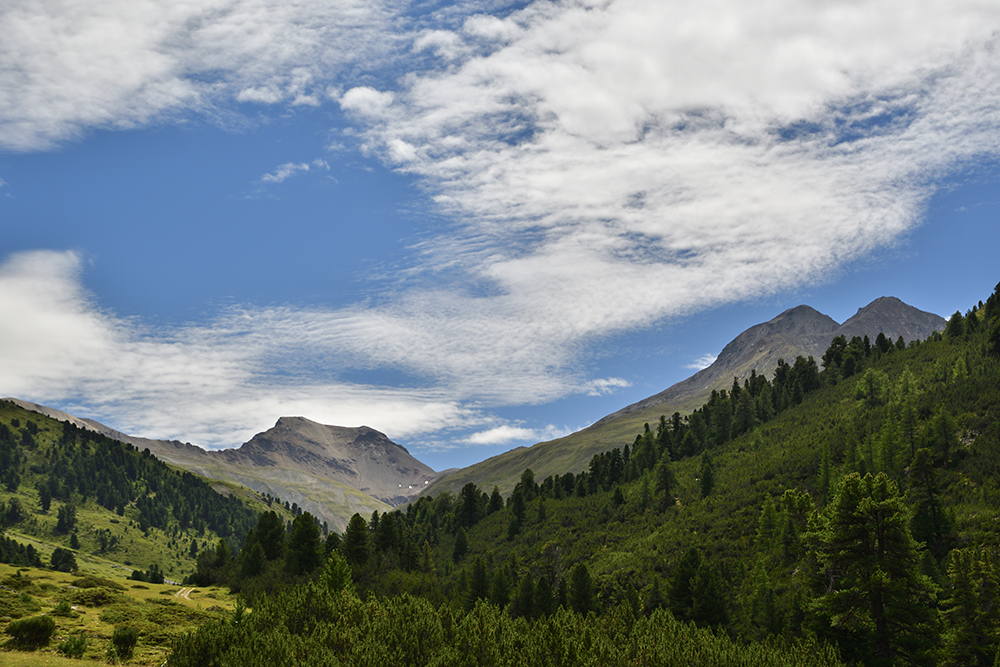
184	593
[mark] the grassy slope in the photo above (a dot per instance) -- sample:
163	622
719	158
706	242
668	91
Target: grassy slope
631	545
339	501
573	452
158	612
169	549
155	610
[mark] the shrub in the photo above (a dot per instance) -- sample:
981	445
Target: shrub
32	631
123	642
95	597
74	647
92	581
63	609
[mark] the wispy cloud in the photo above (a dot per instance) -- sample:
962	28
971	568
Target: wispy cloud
507	434
219	382
73	65
289	169
704	361
619	163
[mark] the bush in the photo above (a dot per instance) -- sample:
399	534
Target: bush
63	609
123	642
95	597
74	647
33	631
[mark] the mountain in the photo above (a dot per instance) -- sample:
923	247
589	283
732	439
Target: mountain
800	331
330	471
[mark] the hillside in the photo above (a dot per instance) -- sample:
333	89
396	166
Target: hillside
855	507
109	504
329	471
800	331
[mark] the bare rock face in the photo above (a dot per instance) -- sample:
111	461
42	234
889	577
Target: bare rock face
361	457
890	316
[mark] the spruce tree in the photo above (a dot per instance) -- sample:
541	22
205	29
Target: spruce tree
461	546
971	609
665	482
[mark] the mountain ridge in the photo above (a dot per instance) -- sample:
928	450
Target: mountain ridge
798	331
331	471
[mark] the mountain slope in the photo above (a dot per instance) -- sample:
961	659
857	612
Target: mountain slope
800	331
115	507
331	471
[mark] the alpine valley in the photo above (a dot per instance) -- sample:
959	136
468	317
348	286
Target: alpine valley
822	494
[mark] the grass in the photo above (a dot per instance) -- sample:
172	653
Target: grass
99	604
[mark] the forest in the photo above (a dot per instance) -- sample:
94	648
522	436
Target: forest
842	512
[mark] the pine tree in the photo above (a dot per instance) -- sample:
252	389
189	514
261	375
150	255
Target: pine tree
874	590
706	473
479	583
930	523
767	527
304	552
427	558
972	609
545	602
270	533
355	546
524	600
517	513
461	546
500	587
680	594
665	482
336	575
582	598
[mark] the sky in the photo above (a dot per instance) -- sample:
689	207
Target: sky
470	225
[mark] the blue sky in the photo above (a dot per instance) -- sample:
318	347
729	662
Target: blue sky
472	225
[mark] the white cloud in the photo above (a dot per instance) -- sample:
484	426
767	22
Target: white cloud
506	434
603	386
702	362
215	384
366	100
71	65
289	169
443	43
618	163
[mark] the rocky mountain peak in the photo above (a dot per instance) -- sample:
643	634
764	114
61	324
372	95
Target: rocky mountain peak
890	316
